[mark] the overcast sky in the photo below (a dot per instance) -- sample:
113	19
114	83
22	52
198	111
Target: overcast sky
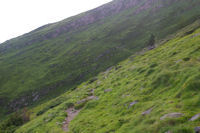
21	16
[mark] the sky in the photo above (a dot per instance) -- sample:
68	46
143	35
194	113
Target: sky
21	16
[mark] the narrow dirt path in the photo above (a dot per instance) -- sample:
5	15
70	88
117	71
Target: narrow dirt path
72	112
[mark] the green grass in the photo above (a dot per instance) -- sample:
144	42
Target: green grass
166	79
33	63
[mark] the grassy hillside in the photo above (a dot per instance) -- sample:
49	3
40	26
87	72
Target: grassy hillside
54	58
135	95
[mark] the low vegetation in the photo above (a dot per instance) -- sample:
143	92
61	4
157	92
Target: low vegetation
51	60
156	91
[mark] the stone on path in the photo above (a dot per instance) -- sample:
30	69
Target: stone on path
172	115
197	116
107	90
197	129
147	112
132	103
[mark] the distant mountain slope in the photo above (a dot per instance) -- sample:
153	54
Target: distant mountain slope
157	91
54	58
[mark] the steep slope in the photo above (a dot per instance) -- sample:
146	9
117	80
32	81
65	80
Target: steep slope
157	91
54	58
